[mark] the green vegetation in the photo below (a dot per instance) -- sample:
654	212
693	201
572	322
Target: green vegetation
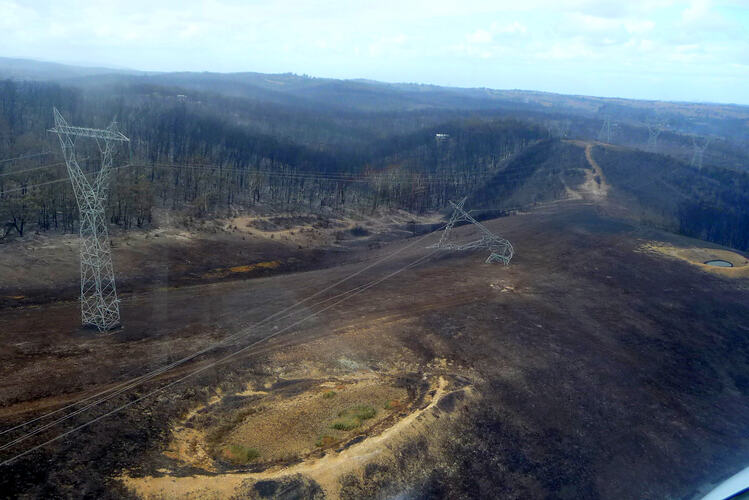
346	424
324	440
328	394
352	418
242	454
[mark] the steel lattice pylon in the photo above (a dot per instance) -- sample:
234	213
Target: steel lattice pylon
653	132
501	249
604	135
99	304
699	152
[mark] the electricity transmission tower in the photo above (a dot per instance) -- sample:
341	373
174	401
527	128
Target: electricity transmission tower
99	304
604	135
653	132
559	129
501	249
699	152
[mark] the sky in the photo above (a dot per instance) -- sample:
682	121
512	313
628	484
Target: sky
695	50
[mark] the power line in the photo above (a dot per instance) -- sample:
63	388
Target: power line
22	157
33	169
213	166
327	176
26	188
333	177
143	378
228	339
219	361
138	380
148	377
56	181
515	175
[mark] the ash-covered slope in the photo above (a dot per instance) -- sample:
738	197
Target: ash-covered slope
541	173
710	203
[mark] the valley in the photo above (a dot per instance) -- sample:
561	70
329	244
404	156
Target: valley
614	374
286	327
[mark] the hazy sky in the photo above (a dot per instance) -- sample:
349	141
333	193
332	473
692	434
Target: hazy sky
665	49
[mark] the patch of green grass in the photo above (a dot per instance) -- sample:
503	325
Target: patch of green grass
328	394
346	424
353	417
364	412
242	454
324	441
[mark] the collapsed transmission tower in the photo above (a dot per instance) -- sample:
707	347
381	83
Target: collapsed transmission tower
99	304
501	249
699	152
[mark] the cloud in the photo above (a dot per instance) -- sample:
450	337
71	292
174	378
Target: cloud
16	19
509	29
704	17
392	39
384	45
637	26
597	28
698	10
479	37
485	36
568	50
494	41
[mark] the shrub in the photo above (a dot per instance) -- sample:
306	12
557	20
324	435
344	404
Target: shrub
324	441
242	454
346	424
364	412
353	417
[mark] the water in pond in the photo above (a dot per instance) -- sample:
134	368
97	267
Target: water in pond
719	263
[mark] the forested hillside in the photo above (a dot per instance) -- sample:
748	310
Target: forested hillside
193	159
709	203
209	145
539	174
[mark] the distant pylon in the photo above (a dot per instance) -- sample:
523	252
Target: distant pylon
653	132
699	152
501	249
99	304
560	128
604	135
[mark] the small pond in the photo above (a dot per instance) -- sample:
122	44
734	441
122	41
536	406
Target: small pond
719	263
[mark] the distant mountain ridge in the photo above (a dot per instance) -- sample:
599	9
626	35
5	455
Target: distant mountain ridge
320	89
30	69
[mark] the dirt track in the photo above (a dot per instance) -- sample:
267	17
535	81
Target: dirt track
602	372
